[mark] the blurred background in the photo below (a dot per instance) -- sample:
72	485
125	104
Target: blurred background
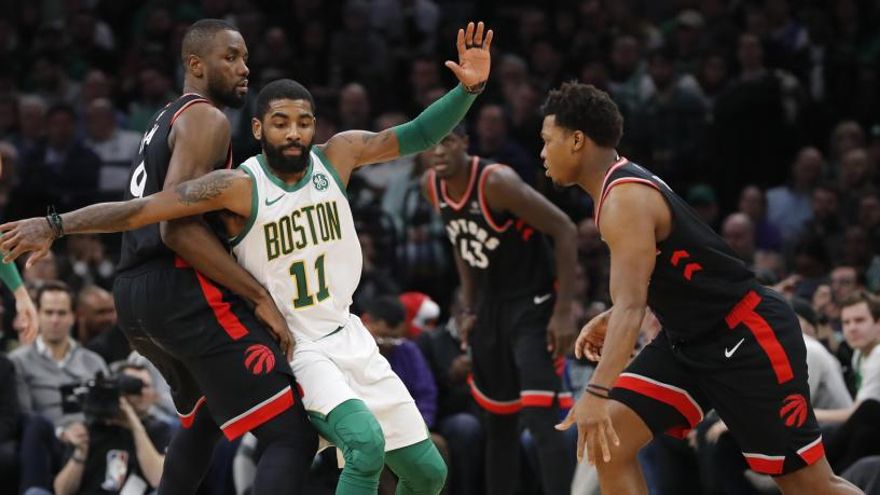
763	114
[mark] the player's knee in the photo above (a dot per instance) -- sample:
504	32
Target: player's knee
363	444
433	471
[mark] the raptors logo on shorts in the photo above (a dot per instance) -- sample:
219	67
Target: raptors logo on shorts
794	410
259	359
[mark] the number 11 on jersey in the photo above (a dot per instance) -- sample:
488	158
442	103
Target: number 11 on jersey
303	298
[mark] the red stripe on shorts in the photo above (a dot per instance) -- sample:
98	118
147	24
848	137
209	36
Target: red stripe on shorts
744	312
222	309
258	414
667	394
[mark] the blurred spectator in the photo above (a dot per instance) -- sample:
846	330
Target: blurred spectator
356	52
154	91
424	76
856	178
666	127
31	125
376	281
753	203
409	27
91	43
847	136
738	232
354	108
55	359
385	318
788	206
41	271
96	324
457	415
62	171
49	80
713	77
702	198
827	222
421	314
8	174
493	142
116	147
87	262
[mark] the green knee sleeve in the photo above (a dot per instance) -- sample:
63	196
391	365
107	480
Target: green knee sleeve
355	431
420	468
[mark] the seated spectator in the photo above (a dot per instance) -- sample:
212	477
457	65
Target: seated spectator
753	202
96	324
118	455
788	206
457	417
41	368
116	147
859	436
62	171
421	314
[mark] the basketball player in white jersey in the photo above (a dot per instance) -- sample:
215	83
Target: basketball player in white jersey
293	231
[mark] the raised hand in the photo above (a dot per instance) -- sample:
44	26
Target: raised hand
474	59
24	236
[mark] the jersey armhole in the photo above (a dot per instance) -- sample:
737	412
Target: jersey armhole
484	205
255	207
330	168
184	107
432	189
617	182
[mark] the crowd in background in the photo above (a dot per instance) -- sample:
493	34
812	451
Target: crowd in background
763	114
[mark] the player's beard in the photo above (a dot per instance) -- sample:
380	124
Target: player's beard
283	163
228	97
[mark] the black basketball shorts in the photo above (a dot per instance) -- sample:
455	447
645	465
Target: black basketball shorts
752	370
511	366
208	345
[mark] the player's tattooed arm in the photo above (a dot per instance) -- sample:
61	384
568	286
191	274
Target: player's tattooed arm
222	189
351	149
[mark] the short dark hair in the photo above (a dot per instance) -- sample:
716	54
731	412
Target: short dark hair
61	108
388	309
860	297
53	286
200	34
585	108
281	89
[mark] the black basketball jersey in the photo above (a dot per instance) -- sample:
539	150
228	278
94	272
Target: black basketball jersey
147	176
697	278
508	257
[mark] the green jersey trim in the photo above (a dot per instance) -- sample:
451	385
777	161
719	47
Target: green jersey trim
329	166
255	206
280	183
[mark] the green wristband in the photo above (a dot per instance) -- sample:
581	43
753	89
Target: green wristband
10	276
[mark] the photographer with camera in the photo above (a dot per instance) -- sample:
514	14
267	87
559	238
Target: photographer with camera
53	360
120	449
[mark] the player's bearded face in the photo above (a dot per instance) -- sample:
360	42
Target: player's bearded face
229	93
280	159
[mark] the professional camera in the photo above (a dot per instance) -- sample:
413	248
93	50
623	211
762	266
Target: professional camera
98	398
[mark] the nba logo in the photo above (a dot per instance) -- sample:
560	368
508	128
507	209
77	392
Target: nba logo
116	470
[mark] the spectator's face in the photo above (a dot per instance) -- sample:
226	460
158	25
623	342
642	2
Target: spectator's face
31	120
751	202
545	58
449	157
662	72
824	204
61	129
97	313
855	169
741	238
424	75
856	248
56	316
625	54
226	69
869	212
286	134
148	397
860	329
750	53
714	72
491	127
354	104
847	136
100	122
512	72
807	167
844	281
44	269
94	86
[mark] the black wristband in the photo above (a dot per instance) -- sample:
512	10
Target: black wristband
599	387
596	394
55	222
475	89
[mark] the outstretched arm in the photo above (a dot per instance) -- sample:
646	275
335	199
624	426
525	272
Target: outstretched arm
505	191
352	149
221	189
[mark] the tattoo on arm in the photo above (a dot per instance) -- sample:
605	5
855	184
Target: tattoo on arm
205	188
103	217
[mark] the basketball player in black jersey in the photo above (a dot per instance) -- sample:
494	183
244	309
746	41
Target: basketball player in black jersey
226	371
727	343
497	225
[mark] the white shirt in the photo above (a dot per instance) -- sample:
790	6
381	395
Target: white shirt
868	368
827	388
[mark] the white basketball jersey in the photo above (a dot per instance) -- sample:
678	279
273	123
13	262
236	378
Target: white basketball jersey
300	243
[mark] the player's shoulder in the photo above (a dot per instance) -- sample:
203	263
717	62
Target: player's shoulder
494	174
203	117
